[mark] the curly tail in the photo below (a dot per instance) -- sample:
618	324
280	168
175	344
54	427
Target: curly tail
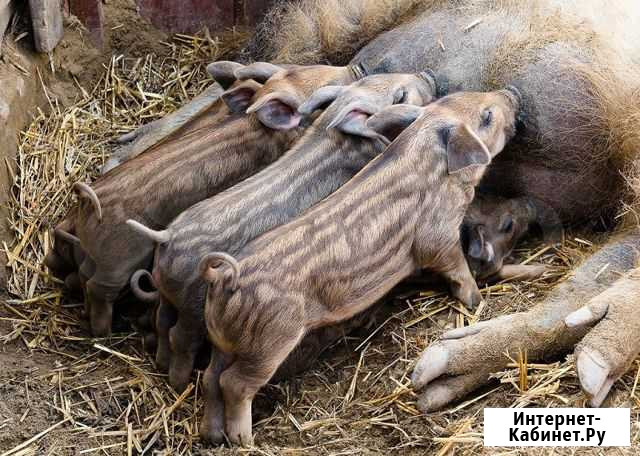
209	271
83	190
150	297
160	237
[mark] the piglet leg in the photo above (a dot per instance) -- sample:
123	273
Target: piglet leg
521	272
212	428
242	380
165	319
611	346
455	270
185	339
464	358
137	141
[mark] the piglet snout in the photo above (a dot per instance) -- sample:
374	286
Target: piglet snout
479	250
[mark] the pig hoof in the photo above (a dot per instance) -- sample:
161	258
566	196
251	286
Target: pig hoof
179	379
239	436
470	296
212	435
73	284
56	265
162	359
463	360
150	342
100	327
133	135
612	344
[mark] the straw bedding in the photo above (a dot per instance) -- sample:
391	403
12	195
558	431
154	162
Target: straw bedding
71	394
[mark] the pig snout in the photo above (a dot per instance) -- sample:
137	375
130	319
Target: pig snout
481	253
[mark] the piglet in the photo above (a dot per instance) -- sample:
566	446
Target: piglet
401	213
493	226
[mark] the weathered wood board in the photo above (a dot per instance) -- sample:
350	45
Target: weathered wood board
46	16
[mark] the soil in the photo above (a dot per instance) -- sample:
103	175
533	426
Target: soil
125	33
44	383
74	64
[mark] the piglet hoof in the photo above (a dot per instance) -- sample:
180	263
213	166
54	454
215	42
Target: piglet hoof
463	360
150	342
180	372
100	324
73	284
212	434
134	134
163	357
612	344
468	294
239	432
56	265
179	381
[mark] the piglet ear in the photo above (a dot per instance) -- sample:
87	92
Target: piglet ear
224	72
238	98
352	120
259	71
277	110
464	148
320	99
392	121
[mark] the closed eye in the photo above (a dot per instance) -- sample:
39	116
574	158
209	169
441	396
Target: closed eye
507	225
487	117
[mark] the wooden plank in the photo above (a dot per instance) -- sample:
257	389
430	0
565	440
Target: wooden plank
90	14
6	10
46	16
188	16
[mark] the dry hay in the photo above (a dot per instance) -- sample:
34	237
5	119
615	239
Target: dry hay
104	396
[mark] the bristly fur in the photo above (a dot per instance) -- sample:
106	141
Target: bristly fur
317	31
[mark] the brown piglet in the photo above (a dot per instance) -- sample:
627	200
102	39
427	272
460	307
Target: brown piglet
401	213
493	226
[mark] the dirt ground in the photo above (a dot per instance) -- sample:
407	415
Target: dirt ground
64	393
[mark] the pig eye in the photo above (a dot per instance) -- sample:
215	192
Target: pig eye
487	117
507	225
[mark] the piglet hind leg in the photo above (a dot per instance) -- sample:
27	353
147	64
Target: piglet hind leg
185	339
243	379
165	319
212	427
102	291
611	346
464	358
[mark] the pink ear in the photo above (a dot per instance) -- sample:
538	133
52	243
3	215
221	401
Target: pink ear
277	110
279	116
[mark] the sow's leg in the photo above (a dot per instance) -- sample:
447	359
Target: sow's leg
610	347
463	360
